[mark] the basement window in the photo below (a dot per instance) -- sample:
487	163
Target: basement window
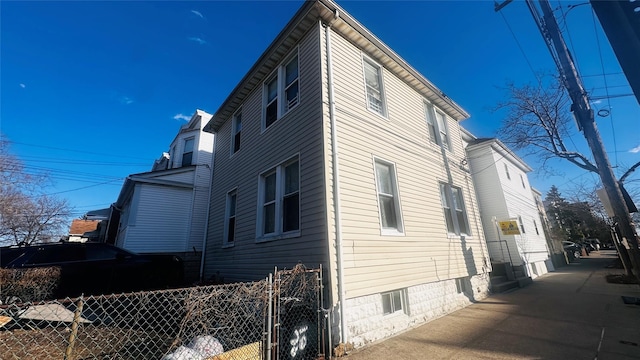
394	302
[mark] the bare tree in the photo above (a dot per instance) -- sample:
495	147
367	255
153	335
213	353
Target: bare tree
27	214
538	121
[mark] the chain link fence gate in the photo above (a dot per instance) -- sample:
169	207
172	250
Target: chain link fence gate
276	318
298	298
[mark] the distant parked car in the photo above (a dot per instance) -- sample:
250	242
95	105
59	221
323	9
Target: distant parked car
96	268
572	249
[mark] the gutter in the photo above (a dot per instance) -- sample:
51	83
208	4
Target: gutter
336	182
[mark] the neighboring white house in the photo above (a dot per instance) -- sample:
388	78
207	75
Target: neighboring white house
504	194
165	210
333	150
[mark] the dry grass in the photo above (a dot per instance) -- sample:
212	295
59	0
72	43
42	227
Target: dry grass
28	285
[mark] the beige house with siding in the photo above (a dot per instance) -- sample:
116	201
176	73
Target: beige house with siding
333	150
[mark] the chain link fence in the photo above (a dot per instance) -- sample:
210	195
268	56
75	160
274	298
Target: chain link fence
276	318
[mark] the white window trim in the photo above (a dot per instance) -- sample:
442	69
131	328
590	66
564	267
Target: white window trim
452	210
399	231
234	119
280	74
404	300
506	171
461	285
524	186
278	234
385	112
430	114
521	223
193	151
225	240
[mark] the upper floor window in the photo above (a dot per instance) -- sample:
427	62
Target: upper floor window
437	125
455	212
230	218
535	226
522	181
388	200
279	192
521	224
236	130
506	171
373	83
187	154
281	91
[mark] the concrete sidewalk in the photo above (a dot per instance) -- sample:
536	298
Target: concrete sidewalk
573	313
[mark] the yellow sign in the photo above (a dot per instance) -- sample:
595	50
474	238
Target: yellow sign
509	227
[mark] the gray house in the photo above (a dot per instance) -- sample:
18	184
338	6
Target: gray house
333	150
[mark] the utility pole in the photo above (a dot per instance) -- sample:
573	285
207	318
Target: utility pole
584	116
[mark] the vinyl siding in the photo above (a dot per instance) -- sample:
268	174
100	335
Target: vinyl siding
505	198
161	219
521	203
299	132
424	253
491	200
202	180
187	176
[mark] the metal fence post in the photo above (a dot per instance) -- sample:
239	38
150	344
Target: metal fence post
74	330
269	314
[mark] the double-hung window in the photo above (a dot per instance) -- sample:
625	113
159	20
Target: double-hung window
506	171
437	125
230	218
455	213
373	84
236	130
388	199
279	211
522	182
187	153
281	91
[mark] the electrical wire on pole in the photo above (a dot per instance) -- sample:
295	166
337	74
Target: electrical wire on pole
585	118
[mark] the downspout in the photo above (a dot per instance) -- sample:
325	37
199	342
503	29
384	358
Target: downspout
206	221
336	182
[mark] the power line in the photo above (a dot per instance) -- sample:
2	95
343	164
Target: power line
521	49
84	187
608	74
610	96
76	151
43	170
566	28
50	160
613	131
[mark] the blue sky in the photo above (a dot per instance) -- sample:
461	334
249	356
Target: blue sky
94	91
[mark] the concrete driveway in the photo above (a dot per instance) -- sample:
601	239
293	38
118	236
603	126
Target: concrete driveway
573	313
